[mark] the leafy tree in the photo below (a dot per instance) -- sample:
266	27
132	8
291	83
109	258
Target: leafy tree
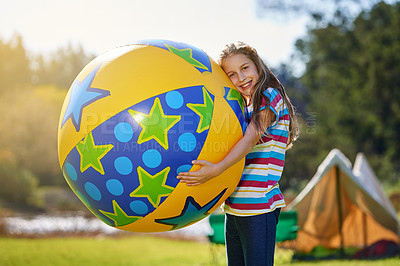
30	112
18	185
14	64
352	77
322	11
28	131
61	67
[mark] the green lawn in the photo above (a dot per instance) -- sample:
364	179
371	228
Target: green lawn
138	250
132	250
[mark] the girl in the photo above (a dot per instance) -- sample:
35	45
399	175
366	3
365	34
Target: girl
253	209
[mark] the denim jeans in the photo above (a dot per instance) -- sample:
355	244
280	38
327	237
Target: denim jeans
250	240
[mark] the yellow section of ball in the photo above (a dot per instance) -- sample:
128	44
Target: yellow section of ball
132	74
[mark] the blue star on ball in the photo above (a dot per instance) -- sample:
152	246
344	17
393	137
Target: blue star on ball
192	212
82	95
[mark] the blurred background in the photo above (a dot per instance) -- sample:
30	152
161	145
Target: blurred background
339	61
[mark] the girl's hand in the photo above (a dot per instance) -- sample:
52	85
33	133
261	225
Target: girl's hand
206	172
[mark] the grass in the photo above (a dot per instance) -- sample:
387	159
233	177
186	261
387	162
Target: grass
132	250
138	250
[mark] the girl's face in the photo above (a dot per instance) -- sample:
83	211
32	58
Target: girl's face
242	71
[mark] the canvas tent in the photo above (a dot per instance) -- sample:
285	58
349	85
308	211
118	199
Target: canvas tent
344	207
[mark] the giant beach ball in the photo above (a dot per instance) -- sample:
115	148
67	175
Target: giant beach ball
134	118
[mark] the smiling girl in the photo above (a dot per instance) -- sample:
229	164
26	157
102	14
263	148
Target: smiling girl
253	209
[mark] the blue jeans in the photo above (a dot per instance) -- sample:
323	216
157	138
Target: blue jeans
250	240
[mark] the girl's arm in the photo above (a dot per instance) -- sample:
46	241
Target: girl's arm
241	149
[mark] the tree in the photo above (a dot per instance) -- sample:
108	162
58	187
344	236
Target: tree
322	11
352	76
61	67
14	64
28	131
30	112
18	185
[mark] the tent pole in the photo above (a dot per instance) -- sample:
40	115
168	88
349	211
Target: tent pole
340	213
364	218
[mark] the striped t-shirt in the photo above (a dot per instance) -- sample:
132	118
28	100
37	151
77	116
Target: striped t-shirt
258	190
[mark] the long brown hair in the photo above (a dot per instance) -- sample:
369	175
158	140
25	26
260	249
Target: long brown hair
267	79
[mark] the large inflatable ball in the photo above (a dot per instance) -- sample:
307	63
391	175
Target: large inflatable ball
133	119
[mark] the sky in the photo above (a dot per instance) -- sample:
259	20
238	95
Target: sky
101	25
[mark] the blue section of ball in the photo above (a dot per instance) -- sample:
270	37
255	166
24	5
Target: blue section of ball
183	168
115	187
139	207
174	99
123	132
120	163
123	165
92	191
152	158
71	171
187	142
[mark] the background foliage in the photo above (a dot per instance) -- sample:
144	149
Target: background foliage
32	90
352	91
